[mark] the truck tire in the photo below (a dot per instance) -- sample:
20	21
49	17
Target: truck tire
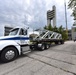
47	46
43	47
62	42
9	54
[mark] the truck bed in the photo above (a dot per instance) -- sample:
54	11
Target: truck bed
48	40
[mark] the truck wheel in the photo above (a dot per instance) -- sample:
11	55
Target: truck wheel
43	47
9	54
47	46
62	42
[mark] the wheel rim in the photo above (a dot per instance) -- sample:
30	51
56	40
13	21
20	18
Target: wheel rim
9	54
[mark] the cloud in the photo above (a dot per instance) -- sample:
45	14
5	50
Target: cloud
22	12
31	13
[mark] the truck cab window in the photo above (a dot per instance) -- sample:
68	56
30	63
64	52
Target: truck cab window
14	31
23	32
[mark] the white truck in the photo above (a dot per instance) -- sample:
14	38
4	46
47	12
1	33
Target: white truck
18	42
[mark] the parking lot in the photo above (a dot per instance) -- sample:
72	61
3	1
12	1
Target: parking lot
58	60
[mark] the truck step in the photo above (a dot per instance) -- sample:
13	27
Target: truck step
25	52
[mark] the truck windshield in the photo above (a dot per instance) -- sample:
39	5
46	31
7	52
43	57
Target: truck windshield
14	31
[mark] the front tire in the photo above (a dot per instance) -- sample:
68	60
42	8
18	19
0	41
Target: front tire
9	54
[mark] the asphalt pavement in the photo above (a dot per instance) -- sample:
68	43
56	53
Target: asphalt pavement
58	60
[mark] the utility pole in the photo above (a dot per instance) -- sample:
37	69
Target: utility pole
65	14
66	18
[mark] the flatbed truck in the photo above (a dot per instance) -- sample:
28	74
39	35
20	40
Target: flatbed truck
18	42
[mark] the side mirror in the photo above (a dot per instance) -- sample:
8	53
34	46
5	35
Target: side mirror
25	32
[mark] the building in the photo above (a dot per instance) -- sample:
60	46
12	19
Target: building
5	29
73	32
51	16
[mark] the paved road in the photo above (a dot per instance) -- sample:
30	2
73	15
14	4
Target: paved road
58	60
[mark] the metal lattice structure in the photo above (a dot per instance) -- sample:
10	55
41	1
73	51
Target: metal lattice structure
46	34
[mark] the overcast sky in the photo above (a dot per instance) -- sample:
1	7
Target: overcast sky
32	12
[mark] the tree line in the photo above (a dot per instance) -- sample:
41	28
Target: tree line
72	5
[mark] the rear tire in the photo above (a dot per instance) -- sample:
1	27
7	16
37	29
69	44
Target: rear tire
9	54
62	42
43	47
47	46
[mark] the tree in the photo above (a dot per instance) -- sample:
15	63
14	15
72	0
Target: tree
55	29
61	29
72	5
63	32
45	27
64	35
49	27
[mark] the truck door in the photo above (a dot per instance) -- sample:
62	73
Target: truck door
24	39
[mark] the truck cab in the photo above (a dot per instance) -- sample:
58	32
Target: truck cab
16	43
21	35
